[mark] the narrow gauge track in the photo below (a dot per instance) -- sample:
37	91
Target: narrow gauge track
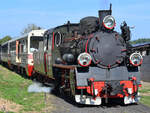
62	106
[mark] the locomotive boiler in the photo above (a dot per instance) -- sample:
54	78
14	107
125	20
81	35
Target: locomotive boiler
90	60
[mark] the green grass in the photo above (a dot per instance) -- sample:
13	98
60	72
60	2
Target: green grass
145	98
13	87
145	91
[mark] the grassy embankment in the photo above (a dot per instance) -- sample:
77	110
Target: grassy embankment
145	93
13	90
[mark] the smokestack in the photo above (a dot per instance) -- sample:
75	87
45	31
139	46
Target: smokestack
110	7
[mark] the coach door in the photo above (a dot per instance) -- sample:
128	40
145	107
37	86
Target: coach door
18	60
48	55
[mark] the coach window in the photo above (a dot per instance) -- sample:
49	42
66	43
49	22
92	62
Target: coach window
26	42
21	48
24	47
34	43
5	49
147	52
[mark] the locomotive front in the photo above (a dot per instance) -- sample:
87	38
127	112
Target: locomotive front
109	69
105	65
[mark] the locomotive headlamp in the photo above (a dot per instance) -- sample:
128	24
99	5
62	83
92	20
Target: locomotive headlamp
136	59
109	22
84	59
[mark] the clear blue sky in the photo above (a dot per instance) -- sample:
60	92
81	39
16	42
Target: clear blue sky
15	15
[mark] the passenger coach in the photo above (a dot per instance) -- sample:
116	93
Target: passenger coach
18	53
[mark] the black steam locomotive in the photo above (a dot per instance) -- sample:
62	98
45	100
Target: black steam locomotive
90	60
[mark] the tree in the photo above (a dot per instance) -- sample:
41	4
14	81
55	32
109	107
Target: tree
29	28
5	39
141	40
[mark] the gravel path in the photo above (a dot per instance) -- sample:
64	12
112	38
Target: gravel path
63	106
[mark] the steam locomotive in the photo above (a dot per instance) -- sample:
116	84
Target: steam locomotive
88	60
